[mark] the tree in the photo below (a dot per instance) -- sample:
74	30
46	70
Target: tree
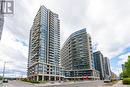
126	72
125	75
121	74
0	77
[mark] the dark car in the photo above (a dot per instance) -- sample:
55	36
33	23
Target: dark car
107	81
5	81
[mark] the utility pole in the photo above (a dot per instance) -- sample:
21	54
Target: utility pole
4	71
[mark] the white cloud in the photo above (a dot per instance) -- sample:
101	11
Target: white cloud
14	53
109	24
123	58
116	70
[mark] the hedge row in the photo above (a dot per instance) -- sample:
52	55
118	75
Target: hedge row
31	81
126	81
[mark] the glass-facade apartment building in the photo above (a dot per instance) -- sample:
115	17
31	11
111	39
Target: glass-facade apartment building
107	68
102	64
77	57
44	47
99	63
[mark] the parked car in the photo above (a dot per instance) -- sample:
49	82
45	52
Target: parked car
107	81
5	81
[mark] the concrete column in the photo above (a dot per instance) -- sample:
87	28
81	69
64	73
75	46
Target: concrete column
60	78
33	77
54	78
37	78
42	77
49	78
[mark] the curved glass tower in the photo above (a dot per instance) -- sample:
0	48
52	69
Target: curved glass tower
44	47
77	57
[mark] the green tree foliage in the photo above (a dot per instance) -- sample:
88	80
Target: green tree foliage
121	74
0	77
126	72
125	75
127	67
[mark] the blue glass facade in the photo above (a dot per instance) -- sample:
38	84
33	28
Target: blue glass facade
44	46
99	63
77	57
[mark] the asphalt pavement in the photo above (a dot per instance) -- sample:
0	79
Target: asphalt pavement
97	83
62	84
16	83
79	84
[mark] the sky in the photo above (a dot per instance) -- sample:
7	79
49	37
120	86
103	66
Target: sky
107	21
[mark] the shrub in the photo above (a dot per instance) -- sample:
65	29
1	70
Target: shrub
25	80
34	81
1	77
31	81
126	81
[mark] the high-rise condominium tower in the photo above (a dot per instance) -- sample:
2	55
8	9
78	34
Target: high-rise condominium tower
44	47
77	57
102	64
107	68
99	63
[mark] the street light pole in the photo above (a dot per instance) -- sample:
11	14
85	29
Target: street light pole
4	71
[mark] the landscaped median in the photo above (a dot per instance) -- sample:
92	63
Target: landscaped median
31	81
126	81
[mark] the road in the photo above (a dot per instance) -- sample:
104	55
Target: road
17	84
78	84
65	84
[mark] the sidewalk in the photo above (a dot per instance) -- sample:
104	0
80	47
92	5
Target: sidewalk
119	84
72	84
52	84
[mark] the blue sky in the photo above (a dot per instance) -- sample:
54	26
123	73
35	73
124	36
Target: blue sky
121	58
107	21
